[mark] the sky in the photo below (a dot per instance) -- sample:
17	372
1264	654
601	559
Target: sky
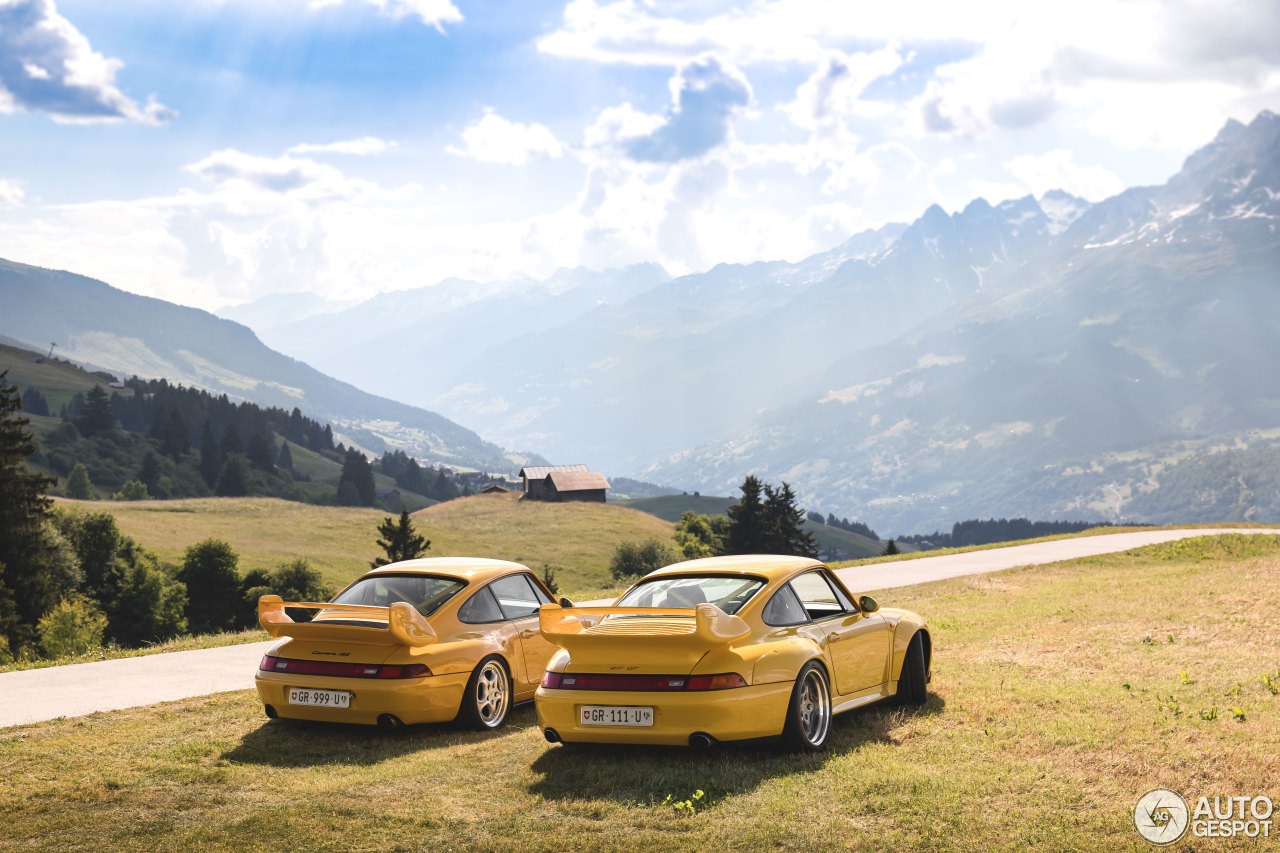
211	152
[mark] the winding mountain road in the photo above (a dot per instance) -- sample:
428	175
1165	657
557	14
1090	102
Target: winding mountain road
34	695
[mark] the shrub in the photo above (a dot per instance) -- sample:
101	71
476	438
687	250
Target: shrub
73	627
632	560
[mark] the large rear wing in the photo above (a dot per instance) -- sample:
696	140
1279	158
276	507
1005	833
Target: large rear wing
405	625
710	626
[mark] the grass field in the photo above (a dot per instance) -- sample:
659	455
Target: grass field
1060	695
340	541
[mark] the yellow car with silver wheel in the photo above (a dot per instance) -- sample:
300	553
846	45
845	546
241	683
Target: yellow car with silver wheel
419	641
723	649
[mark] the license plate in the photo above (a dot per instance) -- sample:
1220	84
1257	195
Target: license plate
615	715
319	698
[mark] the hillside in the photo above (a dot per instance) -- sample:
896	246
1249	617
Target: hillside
339	541
96	324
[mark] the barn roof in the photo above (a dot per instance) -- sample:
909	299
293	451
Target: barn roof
577	481
539	472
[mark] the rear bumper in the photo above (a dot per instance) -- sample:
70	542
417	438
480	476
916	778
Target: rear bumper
742	713
433	699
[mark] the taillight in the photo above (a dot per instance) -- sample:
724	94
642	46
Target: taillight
641	683
343	670
724	681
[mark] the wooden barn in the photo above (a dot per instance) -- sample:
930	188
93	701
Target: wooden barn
563	483
588	486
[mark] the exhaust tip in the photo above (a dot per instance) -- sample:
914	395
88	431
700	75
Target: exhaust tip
551	735
701	740
389	722
271	712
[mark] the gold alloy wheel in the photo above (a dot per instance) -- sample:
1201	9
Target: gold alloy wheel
492	694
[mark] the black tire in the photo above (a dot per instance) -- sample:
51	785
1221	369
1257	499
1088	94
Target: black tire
809	713
487	699
911	682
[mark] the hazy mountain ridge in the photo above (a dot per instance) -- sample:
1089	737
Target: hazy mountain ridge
1149	319
128	334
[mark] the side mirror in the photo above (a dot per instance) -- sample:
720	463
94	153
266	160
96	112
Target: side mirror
868	604
564	602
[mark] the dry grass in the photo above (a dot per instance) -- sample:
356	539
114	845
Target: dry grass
339	541
1050	713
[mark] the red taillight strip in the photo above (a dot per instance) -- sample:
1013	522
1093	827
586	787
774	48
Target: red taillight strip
342	669
641	683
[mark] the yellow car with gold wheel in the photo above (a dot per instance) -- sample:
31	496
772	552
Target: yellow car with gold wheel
723	649
419	641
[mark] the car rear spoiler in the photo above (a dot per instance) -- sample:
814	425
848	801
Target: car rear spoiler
711	626
405	625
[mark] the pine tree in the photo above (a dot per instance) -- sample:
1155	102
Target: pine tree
96	417
33	402
891	549
285	460
149	472
231	441
399	540
260	455
27	587
233	481
784	523
357	471
210	456
177	440
78	484
747	532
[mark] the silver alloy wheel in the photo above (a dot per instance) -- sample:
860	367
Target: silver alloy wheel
492	694
815	707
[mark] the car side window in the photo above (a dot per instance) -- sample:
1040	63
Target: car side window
480	607
538	592
784	609
515	596
840	596
817	596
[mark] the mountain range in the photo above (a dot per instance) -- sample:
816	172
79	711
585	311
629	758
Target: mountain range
1043	357
103	328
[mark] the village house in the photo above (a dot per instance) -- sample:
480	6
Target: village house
563	483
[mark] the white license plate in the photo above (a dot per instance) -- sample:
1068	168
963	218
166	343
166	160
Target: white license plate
319	698
615	715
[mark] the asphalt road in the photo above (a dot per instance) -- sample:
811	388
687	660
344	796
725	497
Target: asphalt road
33	695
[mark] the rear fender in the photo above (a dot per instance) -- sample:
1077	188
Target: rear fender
906	628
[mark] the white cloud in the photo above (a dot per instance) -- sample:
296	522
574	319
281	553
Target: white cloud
494	139
433	13
705	96
298	177
835	88
1058	170
363	146
11	193
47	65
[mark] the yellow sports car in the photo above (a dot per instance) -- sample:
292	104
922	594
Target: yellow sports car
727	648
420	641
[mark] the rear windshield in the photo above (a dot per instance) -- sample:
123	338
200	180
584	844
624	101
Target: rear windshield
728	592
427	593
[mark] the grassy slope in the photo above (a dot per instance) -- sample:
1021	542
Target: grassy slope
340	540
57	381
671	507
1044	726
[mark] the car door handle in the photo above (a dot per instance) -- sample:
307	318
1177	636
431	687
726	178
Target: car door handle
528	632
832	638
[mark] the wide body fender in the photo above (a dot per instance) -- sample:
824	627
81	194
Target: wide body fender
905	626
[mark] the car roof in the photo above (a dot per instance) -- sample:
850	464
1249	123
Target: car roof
464	568
770	566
